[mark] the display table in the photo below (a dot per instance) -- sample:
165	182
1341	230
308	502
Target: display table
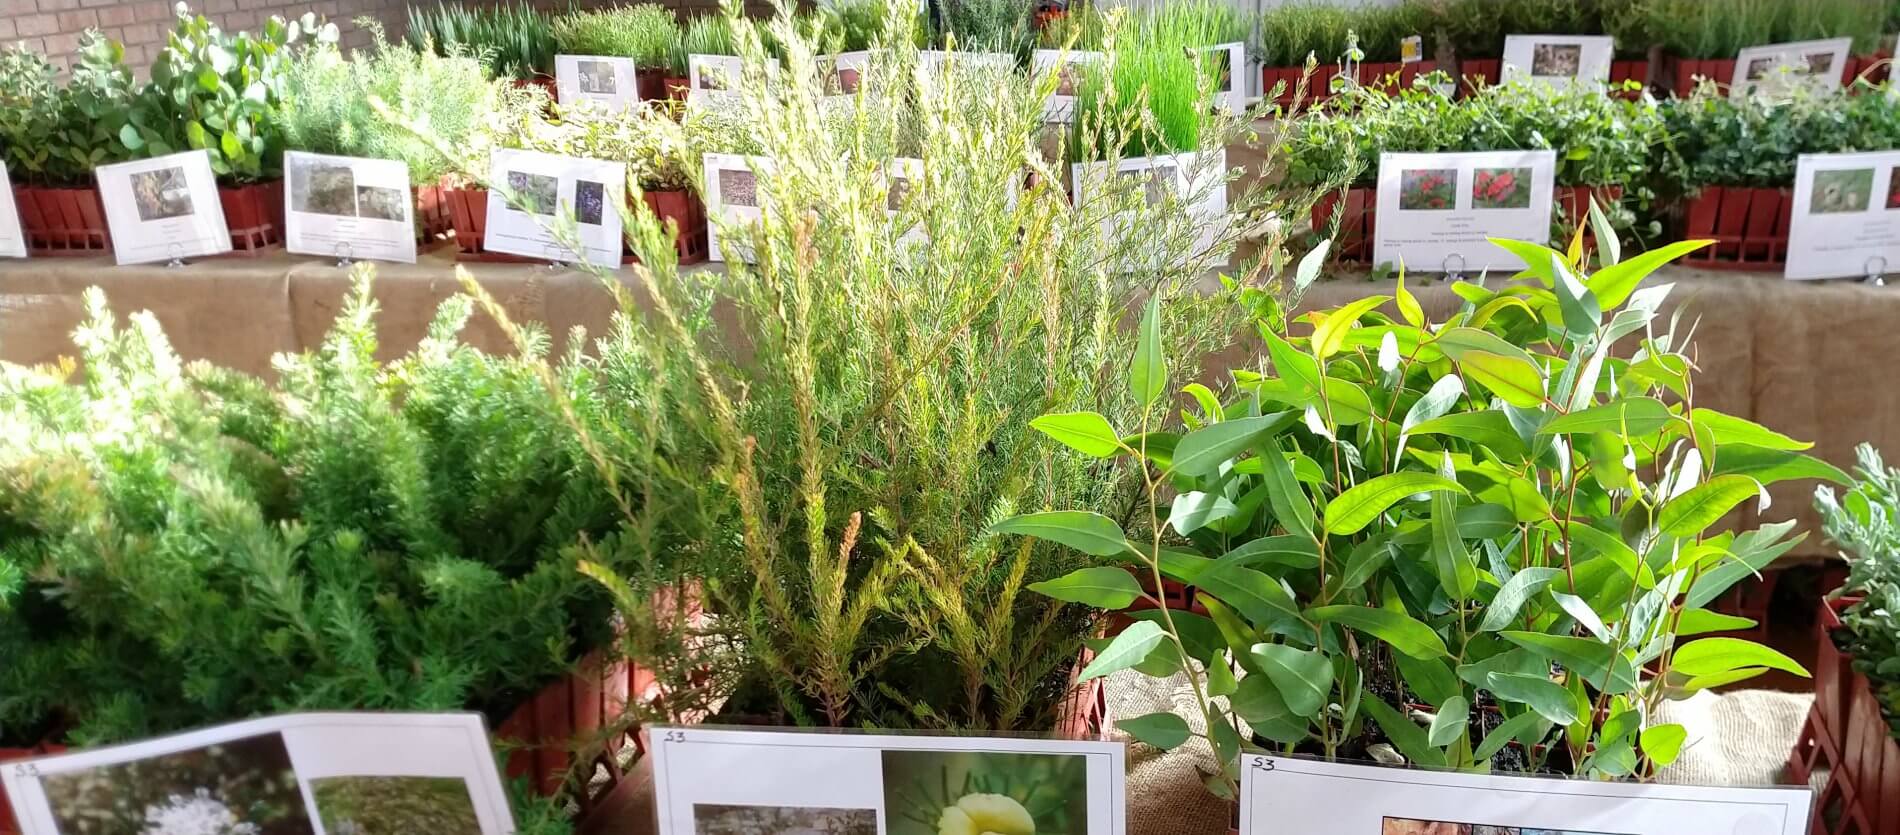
1803	358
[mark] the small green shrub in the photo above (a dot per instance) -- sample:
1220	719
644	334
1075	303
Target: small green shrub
1720	141
56	135
648	33
513	39
1865	523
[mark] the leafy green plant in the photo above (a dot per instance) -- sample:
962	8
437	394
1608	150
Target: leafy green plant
514	39
1486	518
220	92
1154	95
648	33
330	105
56	135
1719	141
988	25
1477	28
704	35
855	23
658	160
1865	522
1290	32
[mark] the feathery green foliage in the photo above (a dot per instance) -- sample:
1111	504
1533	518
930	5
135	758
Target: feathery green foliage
1154	83
1865	522
988	25
648	33
514	39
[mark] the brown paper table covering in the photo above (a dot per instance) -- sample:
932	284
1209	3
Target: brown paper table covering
1803	358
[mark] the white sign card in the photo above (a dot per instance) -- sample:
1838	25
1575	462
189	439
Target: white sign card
903	180
711	77
602	80
1070	67
1280	795
348	207
871	783
12	238
547	189
163	209
1846	218
312	772
1228	65
1196	179
734	194
1777	69
1436	211
1560	60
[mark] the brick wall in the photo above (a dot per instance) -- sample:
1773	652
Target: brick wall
53	27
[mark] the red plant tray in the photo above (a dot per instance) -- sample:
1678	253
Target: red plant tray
433	217
1357	209
1749	227
255	214
1847	739
1479	72
1679	74
468	210
1386	75
62	221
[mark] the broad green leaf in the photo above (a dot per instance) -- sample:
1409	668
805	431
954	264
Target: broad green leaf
1600	664
1768	466
1220	679
1157	447
1614	284
1457	572
1512	596
1345	404
1364	560
1607	463
1579	610
1354	509
1408	305
1435	402
195	134
1539	693
1581	312
1403	632
1729	429
1609	249
1520	384
1126	650
1085	531
1691	513
1226	739
1303	677
1148	371
1291	550
1528	727
1703	621
1404	734
1712	656
1724	679
1310	265
1291	506
1198	633
1084	432
1430	679
1616	759
1641	416
1449	723
1457	342
1182	566
1101	587
1258	701
1330	334
1257	596
1204	396
1201	452
1298	369
1537	258
1662	744
1489	428
1478	673
1163	730
1751	552
130	138
1196	510
229	143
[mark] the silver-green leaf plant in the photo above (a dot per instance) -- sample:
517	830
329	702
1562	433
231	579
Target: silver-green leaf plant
1498	530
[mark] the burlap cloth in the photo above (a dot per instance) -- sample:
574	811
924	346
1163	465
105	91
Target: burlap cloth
1741	738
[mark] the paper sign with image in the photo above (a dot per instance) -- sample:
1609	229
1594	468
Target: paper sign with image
348	207
603	81
1437	212
1226	69
713	77
163	209
1846	217
1559	60
299	774
1291	794
734	193
1192	182
1777	70
1071	67
12	239
866	784
538	193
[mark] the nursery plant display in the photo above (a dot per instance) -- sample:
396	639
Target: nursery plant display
331	106
515	40
648	33
862	439
1865	522
54	135
1476	29
1605	147
1479	543
987	25
219	92
1370	35
1701	39
1731	162
655	154
703	35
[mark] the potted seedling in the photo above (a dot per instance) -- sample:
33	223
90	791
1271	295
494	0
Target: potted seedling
648	34
53	136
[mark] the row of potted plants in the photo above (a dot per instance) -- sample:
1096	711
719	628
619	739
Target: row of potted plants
1708	166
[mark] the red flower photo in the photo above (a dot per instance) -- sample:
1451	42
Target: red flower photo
1428	190
1501	188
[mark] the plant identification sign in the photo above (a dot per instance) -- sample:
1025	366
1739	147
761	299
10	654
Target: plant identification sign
12	239
1776	70
1846	217
713	77
602	81
1195	183
298	773
735	197
163	209
348	207
1437	212
1280	795
1559	60
715	781
1068	68
1226	66
555	207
